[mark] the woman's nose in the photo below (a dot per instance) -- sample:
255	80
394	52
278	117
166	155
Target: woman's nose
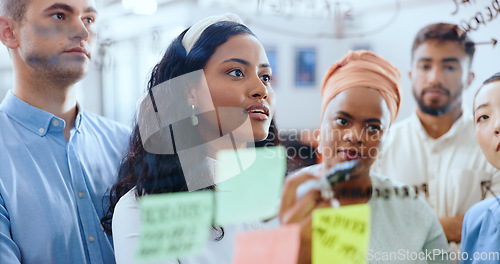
352	136
259	89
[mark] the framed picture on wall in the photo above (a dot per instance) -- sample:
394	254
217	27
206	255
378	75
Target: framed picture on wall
305	67
272	56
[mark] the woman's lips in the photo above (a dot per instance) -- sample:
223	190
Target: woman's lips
350	154
258	111
258	116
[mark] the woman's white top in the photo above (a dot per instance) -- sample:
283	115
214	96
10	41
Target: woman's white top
126	224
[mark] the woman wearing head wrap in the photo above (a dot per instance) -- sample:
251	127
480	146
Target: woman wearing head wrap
360	100
236	76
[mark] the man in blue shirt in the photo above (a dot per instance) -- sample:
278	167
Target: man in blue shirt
56	160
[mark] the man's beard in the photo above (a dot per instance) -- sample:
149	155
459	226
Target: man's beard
56	70
437	111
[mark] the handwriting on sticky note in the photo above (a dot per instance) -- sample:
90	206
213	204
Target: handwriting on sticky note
252	189
174	225
341	235
279	245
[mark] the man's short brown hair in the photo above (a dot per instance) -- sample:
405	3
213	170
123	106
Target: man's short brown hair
444	32
15	9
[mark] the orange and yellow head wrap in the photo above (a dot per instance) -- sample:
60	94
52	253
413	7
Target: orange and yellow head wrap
363	68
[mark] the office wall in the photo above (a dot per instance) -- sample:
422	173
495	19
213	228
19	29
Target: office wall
130	45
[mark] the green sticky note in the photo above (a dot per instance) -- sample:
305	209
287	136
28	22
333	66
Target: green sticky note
341	235
249	184
174	225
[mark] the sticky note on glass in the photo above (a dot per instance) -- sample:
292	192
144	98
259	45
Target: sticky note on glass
279	245
341	235
252	186
174	225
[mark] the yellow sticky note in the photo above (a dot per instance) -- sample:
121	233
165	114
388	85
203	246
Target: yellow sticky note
174	225
252	186
341	235
279	245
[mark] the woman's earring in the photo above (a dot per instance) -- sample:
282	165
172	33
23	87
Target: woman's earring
194	119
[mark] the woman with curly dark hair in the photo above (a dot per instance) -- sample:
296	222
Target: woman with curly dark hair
237	74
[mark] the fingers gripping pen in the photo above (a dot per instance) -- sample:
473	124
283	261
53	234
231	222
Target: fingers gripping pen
335	175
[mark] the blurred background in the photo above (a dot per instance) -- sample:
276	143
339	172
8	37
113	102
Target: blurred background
302	38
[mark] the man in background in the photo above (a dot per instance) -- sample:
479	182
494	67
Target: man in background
56	160
435	150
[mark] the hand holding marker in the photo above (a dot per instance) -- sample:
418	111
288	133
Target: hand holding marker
335	175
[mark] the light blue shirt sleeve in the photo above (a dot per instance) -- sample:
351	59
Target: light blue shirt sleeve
52	190
9	249
481	233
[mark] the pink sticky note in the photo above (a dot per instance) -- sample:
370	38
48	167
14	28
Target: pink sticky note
271	246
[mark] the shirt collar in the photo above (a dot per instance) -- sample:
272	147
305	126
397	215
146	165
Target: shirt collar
79	117
457	126
34	119
420	128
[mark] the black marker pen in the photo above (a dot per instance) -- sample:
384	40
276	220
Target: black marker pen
335	175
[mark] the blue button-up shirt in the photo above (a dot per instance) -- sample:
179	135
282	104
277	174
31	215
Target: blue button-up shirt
51	190
481	233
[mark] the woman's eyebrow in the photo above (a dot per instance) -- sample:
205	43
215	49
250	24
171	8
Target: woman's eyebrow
371	120
481	106
242	61
245	62
345	114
